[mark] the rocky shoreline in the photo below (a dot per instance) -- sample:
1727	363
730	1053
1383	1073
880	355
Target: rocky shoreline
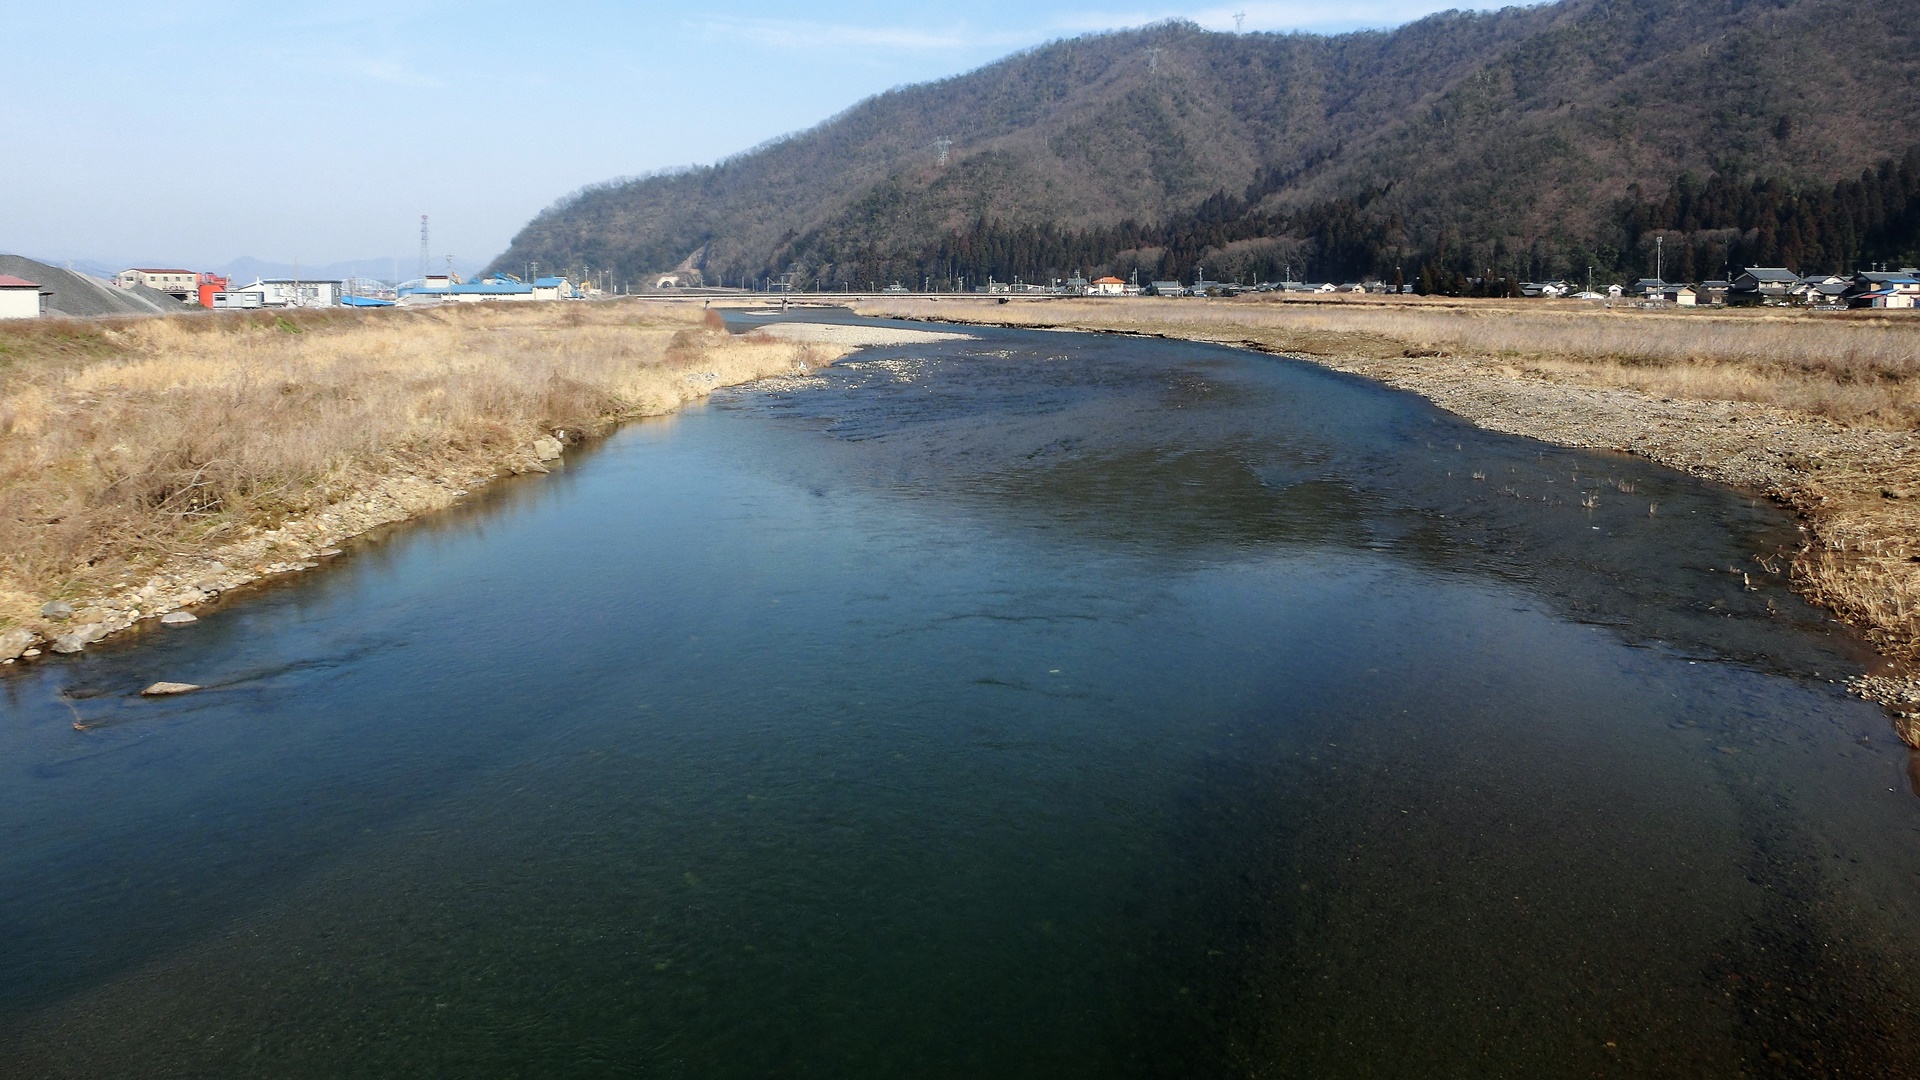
303	543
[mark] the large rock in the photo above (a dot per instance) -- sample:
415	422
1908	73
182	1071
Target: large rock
14	642
165	689
177	618
57	609
546	448
79	637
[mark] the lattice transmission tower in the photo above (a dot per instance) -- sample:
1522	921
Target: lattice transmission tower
424	264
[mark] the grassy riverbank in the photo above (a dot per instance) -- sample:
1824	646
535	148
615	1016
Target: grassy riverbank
146	464
1816	410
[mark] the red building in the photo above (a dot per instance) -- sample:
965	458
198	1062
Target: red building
210	284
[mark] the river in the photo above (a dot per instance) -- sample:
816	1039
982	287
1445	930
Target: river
1032	705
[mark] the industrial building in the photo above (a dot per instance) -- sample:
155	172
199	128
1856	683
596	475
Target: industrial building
284	293
180	283
446	289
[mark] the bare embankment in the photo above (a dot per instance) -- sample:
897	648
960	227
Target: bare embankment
146	465
1815	410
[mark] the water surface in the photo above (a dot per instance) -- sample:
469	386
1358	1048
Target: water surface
1041	704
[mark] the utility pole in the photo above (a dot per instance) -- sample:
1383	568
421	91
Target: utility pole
1659	253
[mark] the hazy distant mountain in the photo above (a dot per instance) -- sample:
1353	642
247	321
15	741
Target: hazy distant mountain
384	268
1532	139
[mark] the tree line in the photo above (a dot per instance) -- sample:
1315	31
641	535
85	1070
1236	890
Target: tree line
1704	228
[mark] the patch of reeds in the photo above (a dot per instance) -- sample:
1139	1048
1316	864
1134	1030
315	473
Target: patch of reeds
124	443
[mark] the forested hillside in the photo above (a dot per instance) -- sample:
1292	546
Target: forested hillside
1532	141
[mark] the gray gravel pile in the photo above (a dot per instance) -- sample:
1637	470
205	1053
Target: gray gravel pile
80	296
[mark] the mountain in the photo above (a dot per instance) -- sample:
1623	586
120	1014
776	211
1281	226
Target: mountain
383	268
1533	141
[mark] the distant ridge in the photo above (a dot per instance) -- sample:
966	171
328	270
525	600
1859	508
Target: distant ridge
385	268
1526	140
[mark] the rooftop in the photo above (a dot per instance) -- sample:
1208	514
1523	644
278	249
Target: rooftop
8	281
151	270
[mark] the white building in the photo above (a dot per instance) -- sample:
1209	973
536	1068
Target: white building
553	288
1107	286
288	292
239	298
22	299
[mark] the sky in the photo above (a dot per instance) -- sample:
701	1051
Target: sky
195	133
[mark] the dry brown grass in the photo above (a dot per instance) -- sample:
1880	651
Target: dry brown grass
1851	368
126	443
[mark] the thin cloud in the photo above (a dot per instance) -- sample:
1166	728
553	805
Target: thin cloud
805	34
1272	15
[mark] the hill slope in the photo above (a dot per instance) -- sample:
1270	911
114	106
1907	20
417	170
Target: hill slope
1529	135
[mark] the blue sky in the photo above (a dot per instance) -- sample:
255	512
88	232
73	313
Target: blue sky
194	132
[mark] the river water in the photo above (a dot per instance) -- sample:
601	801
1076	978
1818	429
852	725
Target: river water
1039	704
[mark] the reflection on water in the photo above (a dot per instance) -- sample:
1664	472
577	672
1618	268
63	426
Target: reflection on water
1038	705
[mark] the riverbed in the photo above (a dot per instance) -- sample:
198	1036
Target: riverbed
1034	704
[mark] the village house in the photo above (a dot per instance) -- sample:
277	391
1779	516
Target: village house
1679	295
1107	286
22	299
1167	288
1763	285
1876	289
1713	292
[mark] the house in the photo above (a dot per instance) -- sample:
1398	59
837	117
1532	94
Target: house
1107	286
1872	289
22	299
1762	285
180	283
1167	288
1712	292
1615	292
292	292
1648	288
1679	295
